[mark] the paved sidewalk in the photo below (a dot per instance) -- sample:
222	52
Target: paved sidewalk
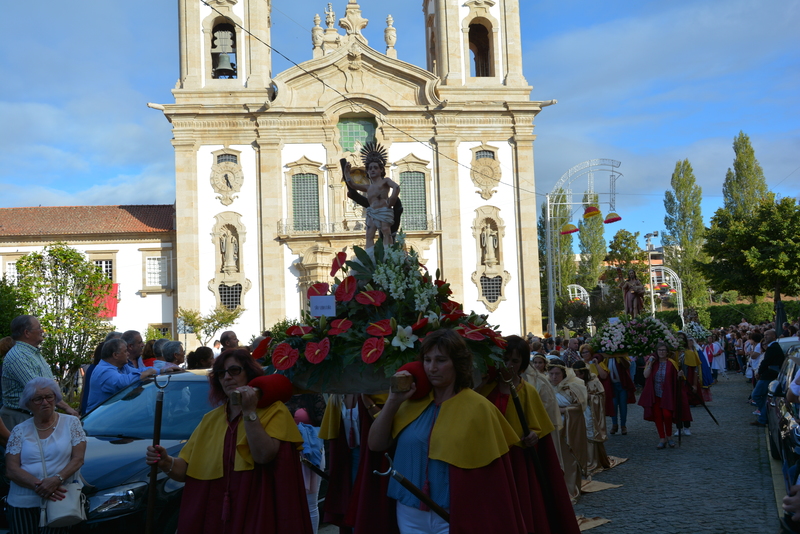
718	481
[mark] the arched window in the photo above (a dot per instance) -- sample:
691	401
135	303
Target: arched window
480	46
223	51
356	130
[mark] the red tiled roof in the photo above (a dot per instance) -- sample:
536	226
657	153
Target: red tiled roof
77	220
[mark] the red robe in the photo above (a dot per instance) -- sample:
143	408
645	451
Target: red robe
627	385
269	499
340	487
668	396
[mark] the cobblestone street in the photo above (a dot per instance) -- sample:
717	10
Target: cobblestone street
718	481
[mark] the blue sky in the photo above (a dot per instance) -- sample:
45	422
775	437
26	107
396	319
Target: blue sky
645	83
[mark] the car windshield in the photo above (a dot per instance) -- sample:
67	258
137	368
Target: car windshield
131	412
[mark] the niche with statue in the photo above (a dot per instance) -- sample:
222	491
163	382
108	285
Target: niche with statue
229	284
490	276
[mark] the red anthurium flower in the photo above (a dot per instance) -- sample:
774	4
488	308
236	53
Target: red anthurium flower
339	326
261	349
372	349
454	316
284	356
316	352
318	290
338	262
419	325
346	290
450	306
376	298
381	328
298	330
499	341
440	283
470	332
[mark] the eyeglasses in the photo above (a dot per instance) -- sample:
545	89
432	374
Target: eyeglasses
234	370
40	400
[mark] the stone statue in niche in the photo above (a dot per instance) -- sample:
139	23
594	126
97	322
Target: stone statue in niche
489	245
229	248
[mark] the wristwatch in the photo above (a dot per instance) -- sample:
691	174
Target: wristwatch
251	417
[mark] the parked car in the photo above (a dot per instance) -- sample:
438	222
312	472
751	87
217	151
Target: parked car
783	426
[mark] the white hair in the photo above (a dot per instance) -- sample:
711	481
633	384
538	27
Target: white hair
39	382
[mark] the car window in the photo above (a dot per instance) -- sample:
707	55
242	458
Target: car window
131	412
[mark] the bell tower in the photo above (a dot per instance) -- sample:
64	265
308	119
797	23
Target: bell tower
476	43
216	53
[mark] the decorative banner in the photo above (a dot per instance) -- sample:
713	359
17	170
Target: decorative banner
322	306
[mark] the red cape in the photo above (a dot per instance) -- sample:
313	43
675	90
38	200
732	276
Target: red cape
269	499
337	498
668	397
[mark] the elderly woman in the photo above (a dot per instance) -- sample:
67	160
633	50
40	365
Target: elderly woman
241	466
453	443
56	439
660	398
543	495
572	397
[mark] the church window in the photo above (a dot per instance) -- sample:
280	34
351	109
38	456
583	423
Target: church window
156	273
223	51
481	154
412	193
11	272
222	158
353	131
230	296
305	202
106	267
480	47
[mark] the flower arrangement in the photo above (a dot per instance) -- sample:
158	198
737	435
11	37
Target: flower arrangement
696	331
385	305
635	336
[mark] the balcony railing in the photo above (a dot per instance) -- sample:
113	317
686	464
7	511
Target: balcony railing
315	226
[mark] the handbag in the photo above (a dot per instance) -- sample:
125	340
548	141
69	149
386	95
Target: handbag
69	511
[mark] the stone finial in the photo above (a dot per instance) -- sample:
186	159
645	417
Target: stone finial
317	36
390	36
330	16
353	22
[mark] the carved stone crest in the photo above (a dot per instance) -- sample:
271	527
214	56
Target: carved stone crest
485	170
226	176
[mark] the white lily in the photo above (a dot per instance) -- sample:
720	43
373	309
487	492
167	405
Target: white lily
405	338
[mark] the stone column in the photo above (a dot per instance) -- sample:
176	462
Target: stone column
257	19
527	235
449	42
512	45
270	212
187	246
449	203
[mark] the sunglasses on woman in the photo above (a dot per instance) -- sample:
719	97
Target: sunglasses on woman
233	370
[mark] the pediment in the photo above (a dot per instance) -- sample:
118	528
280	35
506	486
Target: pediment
357	72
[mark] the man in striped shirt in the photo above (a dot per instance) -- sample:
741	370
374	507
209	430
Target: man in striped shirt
23	363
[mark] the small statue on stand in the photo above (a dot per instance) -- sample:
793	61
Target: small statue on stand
632	292
380	212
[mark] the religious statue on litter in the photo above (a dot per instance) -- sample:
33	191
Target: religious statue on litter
632	292
382	193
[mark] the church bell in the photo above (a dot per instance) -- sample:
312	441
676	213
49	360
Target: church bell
224	66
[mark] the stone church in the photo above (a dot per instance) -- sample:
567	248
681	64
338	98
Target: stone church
261	208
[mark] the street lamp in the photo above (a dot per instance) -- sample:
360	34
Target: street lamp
648	237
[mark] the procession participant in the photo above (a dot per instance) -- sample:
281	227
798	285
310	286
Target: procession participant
241	465
660	396
595	415
613	373
572	397
689	363
453	443
534	492
715	356
536	375
341	428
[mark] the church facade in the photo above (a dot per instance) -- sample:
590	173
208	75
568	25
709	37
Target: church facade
261	208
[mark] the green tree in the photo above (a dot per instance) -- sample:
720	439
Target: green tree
761	253
66	291
683	239
205	326
745	185
592	246
9	306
